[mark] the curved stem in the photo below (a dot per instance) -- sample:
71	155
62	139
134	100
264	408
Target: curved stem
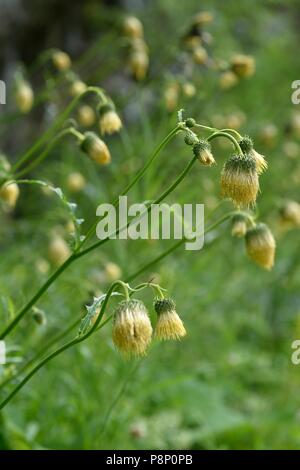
43	155
79	254
228	136
100	316
56	125
234	132
156	201
138	176
175	246
63	348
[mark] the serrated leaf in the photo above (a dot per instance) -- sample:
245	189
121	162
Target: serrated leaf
92	313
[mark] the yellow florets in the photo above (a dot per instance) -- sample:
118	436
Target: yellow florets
132	330
95	148
9	193
110	121
261	245
239	180
169	324
24	97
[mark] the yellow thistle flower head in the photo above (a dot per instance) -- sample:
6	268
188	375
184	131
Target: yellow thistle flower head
290	213
132	329
202	150
261	245
58	250
61	61
200	55
110	121
203	18
189	89
75	182
86	115
243	65
239	180
169	324
138	64
95	148
77	87
239	225
246	145
227	80
9	193
133	27
24	96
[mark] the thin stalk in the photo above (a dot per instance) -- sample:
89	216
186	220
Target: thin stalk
77	255
56	125
228	136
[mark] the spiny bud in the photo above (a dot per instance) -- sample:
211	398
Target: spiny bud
190	122
24	96
58	251
228	80
290	213
95	148
132	330
133	27
239	180
246	145
200	55
75	182
110	121
239	225
9	193
243	65
190	138
260	245
138	64
202	150
86	115
169	324
61	61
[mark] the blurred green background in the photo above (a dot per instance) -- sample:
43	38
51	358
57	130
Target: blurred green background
230	383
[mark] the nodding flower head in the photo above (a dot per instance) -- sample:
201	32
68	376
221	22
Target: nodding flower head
200	55
86	115
260	245
243	65
24	96
290	213
169	324
239	225
132	330
77	87
138	64
9	193
246	145
61	61
133	27
202	150
239	180
227	80
110	121
95	148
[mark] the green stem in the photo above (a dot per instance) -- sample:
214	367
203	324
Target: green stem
138	176
175	246
43	155
228	136
79	254
63	348
56	125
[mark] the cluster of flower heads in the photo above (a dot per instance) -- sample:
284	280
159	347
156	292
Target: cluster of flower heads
138	53
240	183
132	328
